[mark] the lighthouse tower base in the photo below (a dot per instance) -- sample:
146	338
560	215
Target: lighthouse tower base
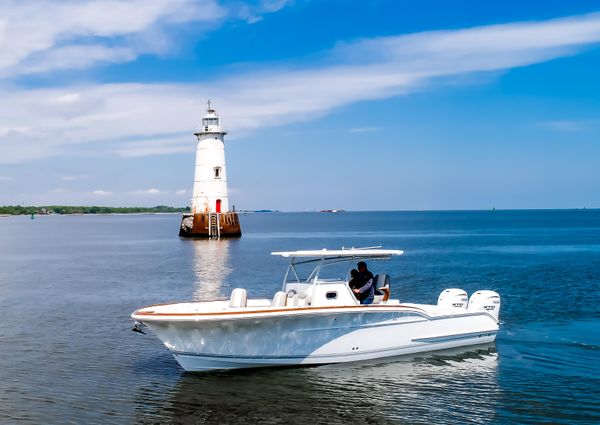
210	225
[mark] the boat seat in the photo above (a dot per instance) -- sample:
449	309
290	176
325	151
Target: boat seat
239	298
292	300
302	300
279	299
382	288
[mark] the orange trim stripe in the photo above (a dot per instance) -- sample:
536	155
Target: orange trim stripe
279	310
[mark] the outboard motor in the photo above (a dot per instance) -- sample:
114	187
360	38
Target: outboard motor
453	299
488	301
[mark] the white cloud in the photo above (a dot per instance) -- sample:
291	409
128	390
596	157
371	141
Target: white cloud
41	35
7	131
76	177
66	99
149	192
181	192
76	57
273	5
154	119
101	193
363	130
159	146
38	36
252	13
5	178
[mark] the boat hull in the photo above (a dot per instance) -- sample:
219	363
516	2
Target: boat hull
316	338
202	363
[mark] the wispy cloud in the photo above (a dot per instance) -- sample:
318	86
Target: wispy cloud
140	119
59	190
567	126
42	35
253	12
158	146
76	177
181	192
38	36
151	191
362	130
101	193
5	178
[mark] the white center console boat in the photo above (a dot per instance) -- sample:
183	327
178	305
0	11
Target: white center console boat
318	320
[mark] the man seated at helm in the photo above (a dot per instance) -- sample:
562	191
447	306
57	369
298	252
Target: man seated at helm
366	292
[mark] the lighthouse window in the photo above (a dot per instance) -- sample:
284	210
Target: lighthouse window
217	172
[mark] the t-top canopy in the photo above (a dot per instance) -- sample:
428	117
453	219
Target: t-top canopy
337	253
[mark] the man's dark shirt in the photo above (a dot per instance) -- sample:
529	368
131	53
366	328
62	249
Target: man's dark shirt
363	279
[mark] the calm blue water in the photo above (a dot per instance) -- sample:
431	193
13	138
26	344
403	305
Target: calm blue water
68	285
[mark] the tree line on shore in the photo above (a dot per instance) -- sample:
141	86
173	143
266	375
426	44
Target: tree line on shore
67	209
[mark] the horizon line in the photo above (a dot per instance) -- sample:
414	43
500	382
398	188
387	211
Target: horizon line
330	211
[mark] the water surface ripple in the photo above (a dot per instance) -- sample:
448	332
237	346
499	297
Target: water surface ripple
69	283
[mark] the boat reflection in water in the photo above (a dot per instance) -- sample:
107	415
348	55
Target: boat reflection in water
445	387
211	267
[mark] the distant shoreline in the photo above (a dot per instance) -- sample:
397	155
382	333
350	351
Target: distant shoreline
7	211
84	210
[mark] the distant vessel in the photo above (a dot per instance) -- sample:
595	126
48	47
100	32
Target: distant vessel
318	320
210	215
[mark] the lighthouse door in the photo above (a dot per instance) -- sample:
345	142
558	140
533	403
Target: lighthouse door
218	207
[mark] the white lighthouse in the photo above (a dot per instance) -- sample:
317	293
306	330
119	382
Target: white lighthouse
210	177
210	215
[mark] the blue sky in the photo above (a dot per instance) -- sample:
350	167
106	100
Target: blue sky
329	104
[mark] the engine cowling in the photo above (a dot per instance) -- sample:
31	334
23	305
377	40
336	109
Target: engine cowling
488	301
453	299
